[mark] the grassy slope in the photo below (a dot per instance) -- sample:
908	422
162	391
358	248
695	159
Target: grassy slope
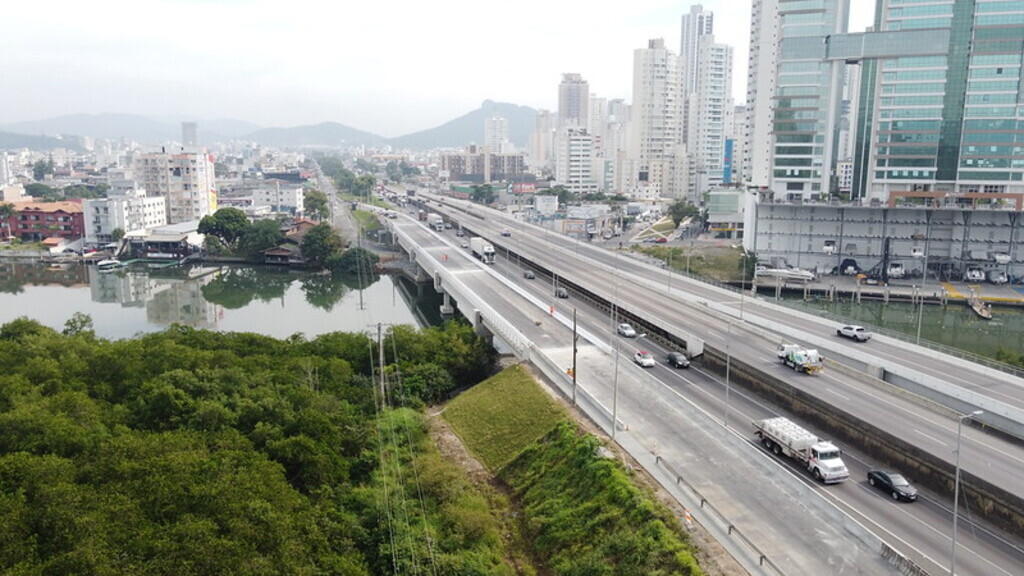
502	416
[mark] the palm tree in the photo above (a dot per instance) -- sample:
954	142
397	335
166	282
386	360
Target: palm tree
7	211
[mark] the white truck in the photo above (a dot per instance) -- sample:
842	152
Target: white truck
783	437
436	221
482	249
799	358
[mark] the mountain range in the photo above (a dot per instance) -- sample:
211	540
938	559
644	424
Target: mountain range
66	131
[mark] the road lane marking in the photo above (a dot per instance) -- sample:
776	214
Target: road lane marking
930	437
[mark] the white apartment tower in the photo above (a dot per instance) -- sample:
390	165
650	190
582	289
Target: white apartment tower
541	143
496	134
573	101
575	162
697	23
184	177
655	145
761	62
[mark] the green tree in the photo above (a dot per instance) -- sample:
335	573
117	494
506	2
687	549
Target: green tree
262	235
79	323
117	234
316	205
564	195
363	186
320	244
393	171
682	209
355	262
228	224
41	168
483	194
408	170
7	211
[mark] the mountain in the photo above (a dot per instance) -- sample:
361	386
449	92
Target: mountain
458	133
469	128
12	141
112	126
325	134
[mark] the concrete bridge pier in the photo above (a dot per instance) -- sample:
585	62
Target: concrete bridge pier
477	320
446	308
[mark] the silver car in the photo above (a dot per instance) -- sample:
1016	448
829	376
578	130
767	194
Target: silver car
626	330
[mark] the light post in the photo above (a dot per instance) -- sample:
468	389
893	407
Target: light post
956	486
615	390
743	281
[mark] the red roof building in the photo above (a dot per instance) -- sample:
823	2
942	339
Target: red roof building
36	221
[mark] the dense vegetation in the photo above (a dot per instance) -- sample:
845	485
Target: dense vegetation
195	452
580	512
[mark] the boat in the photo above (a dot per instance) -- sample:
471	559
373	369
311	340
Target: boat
108	264
980	308
786	274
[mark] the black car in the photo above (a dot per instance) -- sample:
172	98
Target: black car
678	360
460	233
894	484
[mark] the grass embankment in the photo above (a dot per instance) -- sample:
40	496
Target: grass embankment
581	512
368	221
721	263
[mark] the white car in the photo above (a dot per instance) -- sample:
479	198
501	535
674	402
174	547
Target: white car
644	359
858	333
626	330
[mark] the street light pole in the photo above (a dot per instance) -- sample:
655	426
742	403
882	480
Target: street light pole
574	338
924	280
956	486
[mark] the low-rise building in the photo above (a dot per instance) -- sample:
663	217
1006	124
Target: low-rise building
36	221
127	208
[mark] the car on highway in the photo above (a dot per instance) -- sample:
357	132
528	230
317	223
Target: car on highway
460	233
465	244
626	330
528	274
858	333
895	484
644	359
561	292
677	360
506	232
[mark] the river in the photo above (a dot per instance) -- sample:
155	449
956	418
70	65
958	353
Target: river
265	300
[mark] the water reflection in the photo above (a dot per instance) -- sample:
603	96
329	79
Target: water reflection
266	300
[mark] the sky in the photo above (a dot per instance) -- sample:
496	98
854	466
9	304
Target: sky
390	68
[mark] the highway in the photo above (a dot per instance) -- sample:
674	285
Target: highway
921	530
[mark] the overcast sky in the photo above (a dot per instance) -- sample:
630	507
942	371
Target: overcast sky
390	68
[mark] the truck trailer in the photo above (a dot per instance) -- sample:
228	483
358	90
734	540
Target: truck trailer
799	358
783	437
482	249
436	221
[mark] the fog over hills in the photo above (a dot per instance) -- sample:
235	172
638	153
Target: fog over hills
457	133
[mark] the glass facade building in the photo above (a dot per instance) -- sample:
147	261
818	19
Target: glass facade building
950	121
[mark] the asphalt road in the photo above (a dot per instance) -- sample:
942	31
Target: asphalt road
657	402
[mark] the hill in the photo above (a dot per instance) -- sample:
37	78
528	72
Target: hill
329	134
469	128
12	141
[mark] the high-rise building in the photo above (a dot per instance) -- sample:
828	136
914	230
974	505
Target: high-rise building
496	134
6	175
761	62
575	162
573	101
542	142
189	134
940	111
697	23
184	177
655	144
808	92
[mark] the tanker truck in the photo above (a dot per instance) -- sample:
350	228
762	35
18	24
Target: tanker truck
783	437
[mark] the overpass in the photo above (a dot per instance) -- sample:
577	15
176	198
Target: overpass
646	296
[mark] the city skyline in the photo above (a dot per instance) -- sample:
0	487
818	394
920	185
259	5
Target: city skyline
404	72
